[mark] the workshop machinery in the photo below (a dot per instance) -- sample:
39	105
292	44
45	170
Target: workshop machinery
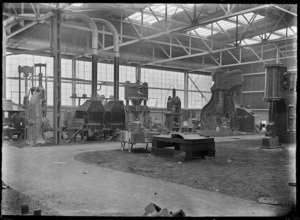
36	111
137	118
280	92
173	113
221	108
13	119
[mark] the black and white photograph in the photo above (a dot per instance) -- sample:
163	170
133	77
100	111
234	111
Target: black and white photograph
149	109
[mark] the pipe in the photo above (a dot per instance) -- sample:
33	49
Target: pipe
79	17
115	33
126	57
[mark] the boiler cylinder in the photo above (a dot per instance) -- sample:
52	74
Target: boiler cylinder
274	79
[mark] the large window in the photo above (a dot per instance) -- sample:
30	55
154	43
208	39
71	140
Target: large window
12	74
200	94
161	83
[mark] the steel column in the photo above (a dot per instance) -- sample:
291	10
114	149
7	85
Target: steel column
116	77
73	81
94	76
56	52
3	63
138	73
186	91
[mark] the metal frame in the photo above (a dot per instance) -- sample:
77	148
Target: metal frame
56	51
174	48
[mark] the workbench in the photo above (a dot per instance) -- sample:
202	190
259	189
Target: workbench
192	145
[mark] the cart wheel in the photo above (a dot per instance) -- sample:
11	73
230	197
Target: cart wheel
129	146
122	145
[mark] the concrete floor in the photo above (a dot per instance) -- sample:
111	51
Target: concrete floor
51	176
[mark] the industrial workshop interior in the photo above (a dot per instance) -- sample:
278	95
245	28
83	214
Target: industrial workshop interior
126	109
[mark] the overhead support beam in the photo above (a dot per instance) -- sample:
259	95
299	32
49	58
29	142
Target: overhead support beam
216	51
41	19
191	26
251	62
286	11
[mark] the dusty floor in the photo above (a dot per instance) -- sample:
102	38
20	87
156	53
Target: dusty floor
240	169
13	200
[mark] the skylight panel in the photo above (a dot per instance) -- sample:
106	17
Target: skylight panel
161	8
147	18
281	31
77	4
290	32
287	31
249	41
202	31
226	25
274	36
248	16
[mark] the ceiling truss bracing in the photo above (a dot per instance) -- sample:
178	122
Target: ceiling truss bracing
169	36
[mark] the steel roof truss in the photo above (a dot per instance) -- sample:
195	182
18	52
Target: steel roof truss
225	32
187	14
158	21
273	29
134	27
165	52
181	44
250	24
239	61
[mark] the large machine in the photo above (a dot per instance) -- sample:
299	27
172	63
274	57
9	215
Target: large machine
222	110
281	95
13	119
137	118
36	112
173	113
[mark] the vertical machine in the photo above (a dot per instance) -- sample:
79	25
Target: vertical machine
173	113
36	112
281	95
137	119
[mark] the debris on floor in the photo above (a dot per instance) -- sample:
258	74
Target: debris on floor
4	186
267	201
24	209
37	212
154	210
292	184
85	172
